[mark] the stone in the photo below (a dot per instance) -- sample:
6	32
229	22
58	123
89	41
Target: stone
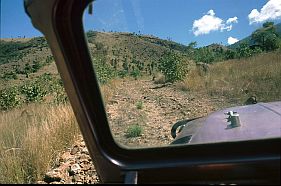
65	156
55	182
53	176
85	150
41	182
74	150
75	168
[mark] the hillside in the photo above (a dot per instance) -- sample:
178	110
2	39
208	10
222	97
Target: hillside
248	38
115	45
24	59
140	51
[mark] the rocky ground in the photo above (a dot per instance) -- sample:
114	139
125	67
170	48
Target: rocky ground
153	107
72	166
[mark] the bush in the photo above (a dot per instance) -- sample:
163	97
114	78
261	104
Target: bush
36	66
33	93
172	66
61	97
11	51
9	98
134	131
139	105
122	73
135	73
205	55
244	50
103	71
9	75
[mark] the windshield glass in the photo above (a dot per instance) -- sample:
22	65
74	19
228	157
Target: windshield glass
173	72
165	62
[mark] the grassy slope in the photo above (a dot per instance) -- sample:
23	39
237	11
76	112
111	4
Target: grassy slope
121	47
239	79
16	53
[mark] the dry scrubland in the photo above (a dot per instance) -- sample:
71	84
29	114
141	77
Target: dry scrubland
31	138
259	75
32	135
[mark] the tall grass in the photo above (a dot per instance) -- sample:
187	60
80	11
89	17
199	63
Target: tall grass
108	89
31	137
259	75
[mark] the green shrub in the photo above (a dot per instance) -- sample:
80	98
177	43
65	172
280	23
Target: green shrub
9	75
11	51
139	105
122	73
173	67
135	73
206	55
33	93
49	59
244	50
103	70
9	98
134	131
36	66
27	69
60	97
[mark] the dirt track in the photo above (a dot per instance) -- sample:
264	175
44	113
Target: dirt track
162	107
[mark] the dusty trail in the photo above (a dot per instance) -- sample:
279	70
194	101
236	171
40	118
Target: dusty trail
162	107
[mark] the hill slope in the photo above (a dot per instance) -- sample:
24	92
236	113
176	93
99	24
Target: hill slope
140	51
248	38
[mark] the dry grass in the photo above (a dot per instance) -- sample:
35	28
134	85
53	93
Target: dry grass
108	90
259	75
31	137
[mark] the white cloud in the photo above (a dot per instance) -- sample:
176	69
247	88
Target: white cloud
211	12
226	27
232	20
232	40
210	22
270	11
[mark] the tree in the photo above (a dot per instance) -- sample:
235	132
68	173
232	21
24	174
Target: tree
244	50
204	55
267	37
192	45
125	65
267	24
230	54
172	66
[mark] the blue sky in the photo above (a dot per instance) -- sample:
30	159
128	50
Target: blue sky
183	21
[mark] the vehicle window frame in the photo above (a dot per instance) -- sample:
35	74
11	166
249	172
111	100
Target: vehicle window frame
235	161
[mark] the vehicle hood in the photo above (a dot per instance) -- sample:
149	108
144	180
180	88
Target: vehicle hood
261	120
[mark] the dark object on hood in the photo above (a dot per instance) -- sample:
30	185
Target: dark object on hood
251	100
